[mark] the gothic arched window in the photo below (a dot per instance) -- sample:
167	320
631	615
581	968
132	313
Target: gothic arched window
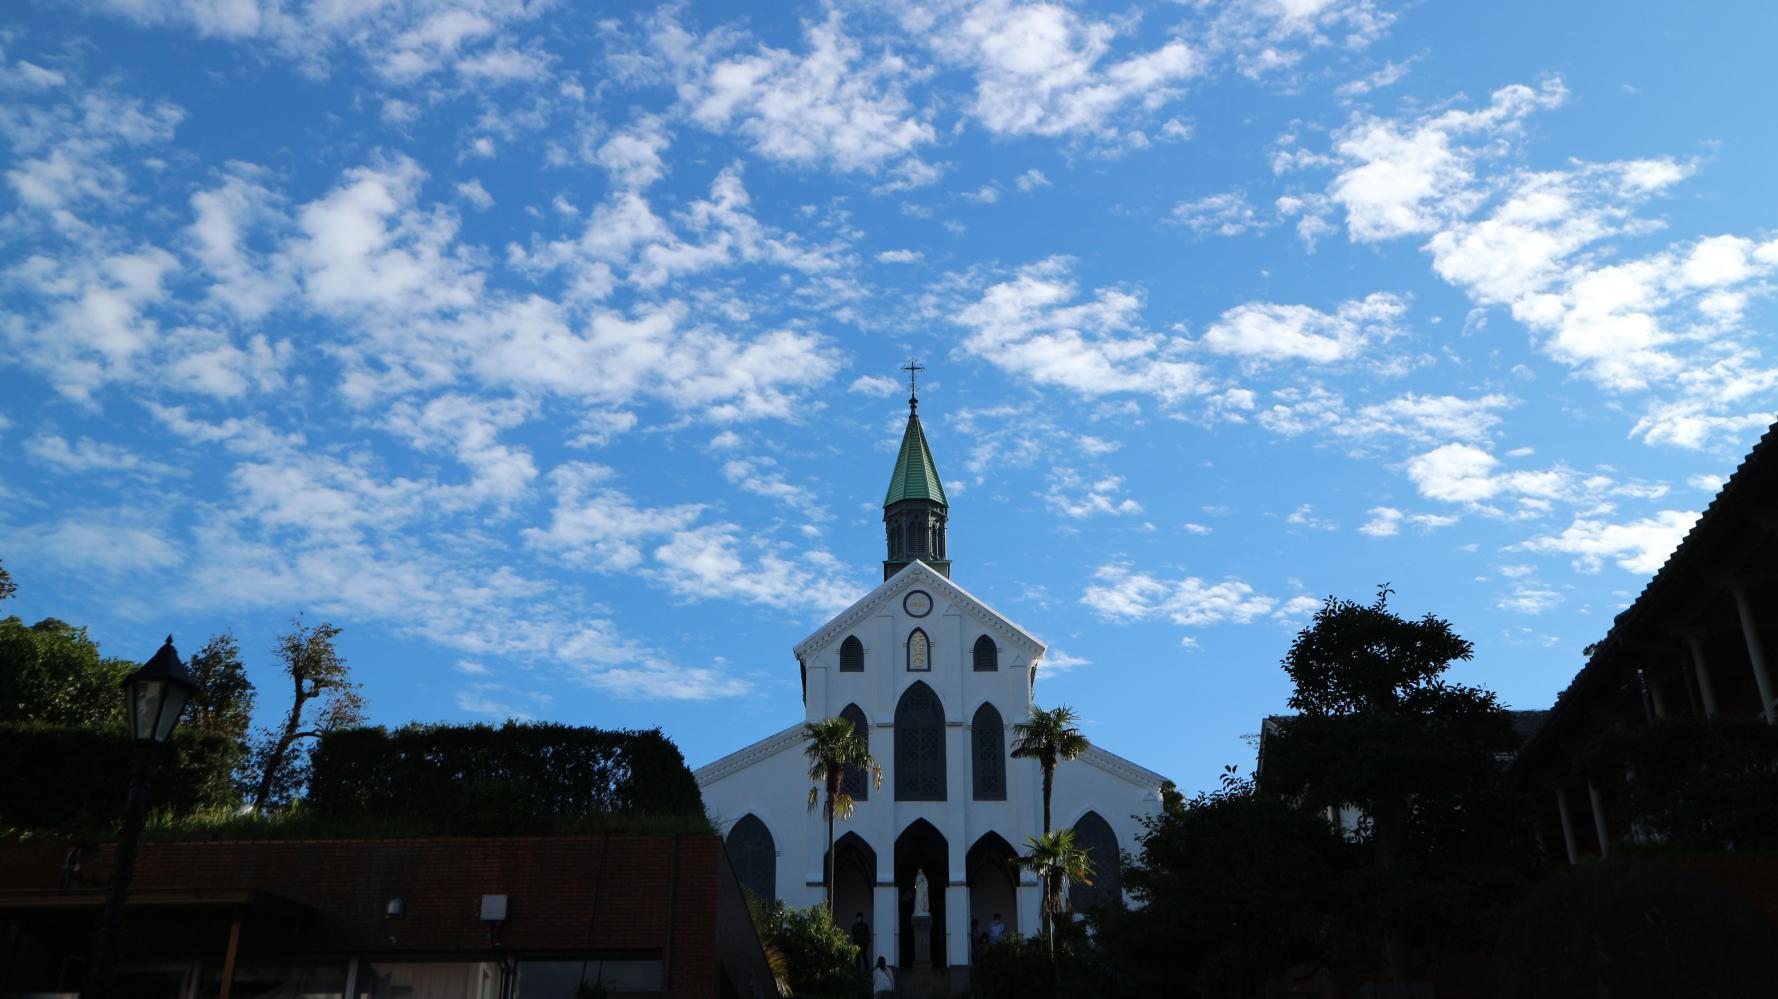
987	655
754	857
919	652
1093	834
919	746
851	655
988	736
917	539
857	782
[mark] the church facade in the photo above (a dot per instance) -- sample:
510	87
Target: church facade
936	679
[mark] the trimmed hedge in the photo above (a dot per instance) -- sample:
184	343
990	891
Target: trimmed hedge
479	778
72	781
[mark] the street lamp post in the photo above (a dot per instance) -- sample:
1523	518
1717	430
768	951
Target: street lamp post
155	695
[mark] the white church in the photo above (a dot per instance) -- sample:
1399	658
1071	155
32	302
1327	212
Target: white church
936	678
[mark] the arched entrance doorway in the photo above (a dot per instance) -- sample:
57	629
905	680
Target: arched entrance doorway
854	875
921	848
993	886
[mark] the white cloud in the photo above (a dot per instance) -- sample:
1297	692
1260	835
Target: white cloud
107	541
832	104
706	562
900	257
1267	331
88	455
875	385
1385	522
1057	662
1400	179
1225	214
1305	516
1045	69
1119	593
1071	495
1529	598
633	156
1422	419
404	43
473	192
1031	180
1028	327
594	526
1639	546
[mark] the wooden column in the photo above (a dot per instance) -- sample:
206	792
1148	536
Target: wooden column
228	958
1568	838
1756	653
1701	666
1599	820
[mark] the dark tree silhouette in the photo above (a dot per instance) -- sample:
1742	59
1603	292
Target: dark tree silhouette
317	672
1380	729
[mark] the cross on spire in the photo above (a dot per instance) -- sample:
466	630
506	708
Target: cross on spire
913	368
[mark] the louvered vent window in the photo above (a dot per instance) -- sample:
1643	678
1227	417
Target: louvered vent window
851	655
987	655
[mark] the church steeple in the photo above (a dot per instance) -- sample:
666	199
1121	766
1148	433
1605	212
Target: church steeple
915	509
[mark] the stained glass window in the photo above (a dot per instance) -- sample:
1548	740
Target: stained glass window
988	735
919	746
856	782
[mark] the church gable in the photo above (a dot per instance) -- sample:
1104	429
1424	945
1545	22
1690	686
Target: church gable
943	592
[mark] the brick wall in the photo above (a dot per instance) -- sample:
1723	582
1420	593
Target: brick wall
565	894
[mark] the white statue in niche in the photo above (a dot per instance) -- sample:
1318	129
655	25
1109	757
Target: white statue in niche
922	895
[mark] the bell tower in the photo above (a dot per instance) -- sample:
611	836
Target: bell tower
915	510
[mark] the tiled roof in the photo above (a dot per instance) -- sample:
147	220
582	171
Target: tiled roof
1752	488
916	477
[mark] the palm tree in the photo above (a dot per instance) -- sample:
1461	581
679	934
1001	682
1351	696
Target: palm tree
833	746
1049	738
1056	861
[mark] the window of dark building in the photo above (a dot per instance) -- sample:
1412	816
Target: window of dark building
917	539
851	655
619	976
433	979
919	746
988	735
856	782
324	980
987	655
1093	834
754	857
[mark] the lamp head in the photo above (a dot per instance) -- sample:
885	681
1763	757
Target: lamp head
157	693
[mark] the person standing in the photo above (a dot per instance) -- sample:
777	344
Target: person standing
861	940
996	929
882	981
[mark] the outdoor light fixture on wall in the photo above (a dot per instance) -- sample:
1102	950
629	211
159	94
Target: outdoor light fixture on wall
393	909
494	914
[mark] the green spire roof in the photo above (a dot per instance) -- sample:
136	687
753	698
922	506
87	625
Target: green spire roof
916	477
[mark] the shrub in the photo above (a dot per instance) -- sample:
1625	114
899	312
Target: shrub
815	957
67	780
1694	785
479	778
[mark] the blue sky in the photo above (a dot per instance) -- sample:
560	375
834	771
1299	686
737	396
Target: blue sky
554	355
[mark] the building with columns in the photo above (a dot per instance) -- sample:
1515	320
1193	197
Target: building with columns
1695	644
936	678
